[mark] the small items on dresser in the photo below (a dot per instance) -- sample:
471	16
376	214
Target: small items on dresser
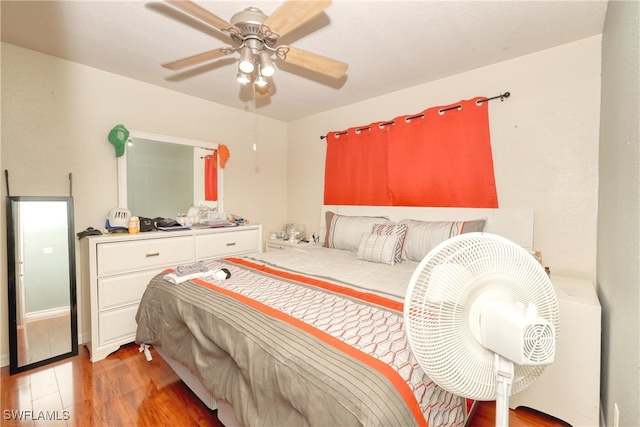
118	220
134	225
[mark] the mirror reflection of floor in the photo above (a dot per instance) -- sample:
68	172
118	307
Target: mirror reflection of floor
23	346
42	339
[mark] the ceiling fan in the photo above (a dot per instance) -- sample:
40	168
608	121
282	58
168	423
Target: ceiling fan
255	37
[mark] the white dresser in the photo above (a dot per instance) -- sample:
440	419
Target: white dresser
118	268
569	388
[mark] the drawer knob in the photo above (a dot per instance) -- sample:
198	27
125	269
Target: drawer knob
231	244
154	254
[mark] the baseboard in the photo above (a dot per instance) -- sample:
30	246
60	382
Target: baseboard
4	360
46	314
83	338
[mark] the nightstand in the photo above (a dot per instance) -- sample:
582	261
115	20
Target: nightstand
275	244
569	388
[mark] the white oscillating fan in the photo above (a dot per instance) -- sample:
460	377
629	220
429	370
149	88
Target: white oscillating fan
482	319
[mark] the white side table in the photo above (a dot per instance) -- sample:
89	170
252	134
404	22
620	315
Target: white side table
569	388
280	244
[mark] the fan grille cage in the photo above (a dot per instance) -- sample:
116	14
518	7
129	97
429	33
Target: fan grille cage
538	342
442	290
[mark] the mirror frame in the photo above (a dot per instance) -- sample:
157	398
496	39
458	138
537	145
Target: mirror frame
14	368
122	163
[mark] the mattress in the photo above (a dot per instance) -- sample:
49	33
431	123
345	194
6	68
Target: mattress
299	337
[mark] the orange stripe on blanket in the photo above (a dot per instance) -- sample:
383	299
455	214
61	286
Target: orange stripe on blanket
383	368
362	296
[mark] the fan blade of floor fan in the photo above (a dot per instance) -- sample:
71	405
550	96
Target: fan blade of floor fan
314	62
293	13
201	14
194	60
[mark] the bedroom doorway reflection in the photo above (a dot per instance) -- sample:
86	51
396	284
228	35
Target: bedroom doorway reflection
41	267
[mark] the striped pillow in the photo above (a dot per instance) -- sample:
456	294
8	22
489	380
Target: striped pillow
345	232
423	236
399	230
378	248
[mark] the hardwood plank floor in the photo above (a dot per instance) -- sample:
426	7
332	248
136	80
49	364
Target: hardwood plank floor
485	413
121	390
125	390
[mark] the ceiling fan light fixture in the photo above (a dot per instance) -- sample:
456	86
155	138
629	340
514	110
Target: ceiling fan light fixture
246	60
255	36
261	81
267	68
243	78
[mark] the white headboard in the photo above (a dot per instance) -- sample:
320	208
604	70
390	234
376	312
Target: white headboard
514	224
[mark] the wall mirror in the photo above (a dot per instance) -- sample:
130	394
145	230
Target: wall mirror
162	176
41	265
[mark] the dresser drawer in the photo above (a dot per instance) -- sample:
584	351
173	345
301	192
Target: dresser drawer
118	325
116	291
221	245
122	257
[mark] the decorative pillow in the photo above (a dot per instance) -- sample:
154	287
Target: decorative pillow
477	225
345	232
328	215
378	248
422	236
399	230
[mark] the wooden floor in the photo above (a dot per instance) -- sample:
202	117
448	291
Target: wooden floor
121	390
484	416
126	390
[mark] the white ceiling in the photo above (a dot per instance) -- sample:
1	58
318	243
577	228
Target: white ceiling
389	45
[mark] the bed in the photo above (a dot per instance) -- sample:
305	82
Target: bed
313	335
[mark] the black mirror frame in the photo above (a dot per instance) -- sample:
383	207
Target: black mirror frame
14	368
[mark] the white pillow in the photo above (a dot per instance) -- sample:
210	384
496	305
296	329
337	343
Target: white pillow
345	232
380	248
422	236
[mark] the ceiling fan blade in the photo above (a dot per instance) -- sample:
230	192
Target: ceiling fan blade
195	59
293	13
201	14
314	62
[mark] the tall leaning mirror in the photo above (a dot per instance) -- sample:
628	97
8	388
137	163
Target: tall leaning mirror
41	265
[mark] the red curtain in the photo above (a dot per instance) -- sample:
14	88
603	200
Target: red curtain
439	158
211	176
356	167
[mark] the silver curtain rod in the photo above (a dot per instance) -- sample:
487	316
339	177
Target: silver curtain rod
502	96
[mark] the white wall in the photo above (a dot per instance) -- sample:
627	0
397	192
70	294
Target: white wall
619	214
544	139
56	116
